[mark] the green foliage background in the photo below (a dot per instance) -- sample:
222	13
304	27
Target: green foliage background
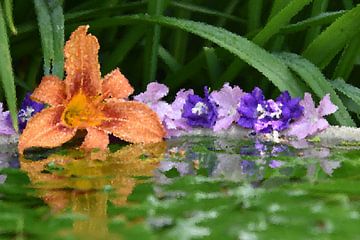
294	45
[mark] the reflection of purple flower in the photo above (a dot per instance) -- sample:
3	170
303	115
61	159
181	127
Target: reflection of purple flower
329	166
248	167
275	163
28	109
200	112
152	97
228	100
313	119
6	127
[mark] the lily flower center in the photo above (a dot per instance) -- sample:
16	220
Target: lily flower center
81	113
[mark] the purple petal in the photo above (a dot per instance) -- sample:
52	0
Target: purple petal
227	97
154	92
308	104
6	126
326	107
225	122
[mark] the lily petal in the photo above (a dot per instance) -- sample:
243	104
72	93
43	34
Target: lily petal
132	121
81	64
51	91
45	130
116	85
95	138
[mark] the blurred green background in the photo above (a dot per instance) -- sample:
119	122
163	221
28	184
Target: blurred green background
295	45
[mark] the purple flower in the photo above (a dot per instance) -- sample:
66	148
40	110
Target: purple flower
28	109
290	109
200	112
174	122
248	108
266	116
313	119
6	127
152	97
227	100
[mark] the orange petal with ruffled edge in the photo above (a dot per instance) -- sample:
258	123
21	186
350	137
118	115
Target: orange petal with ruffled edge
51	91
132	121
45	130
116	85
81	64
95	138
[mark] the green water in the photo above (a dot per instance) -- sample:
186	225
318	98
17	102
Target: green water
186	188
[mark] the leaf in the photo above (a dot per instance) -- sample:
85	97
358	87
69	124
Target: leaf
155	8
334	38
8	11
200	9
57	20
51	26
318	83
347	89
318	7
270	66
46	33
348	59
169	60
321	19
6	71
272	27
127	42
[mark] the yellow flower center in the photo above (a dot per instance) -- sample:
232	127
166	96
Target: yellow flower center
82	113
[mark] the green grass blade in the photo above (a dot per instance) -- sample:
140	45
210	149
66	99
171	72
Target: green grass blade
270	66
169	60
57	20
271	28
348	90
334	38
155	8
123	47
254	14
229	9
279	20
318	7
180	39
199	9
213	65
6	71
46	33
178	78
313	77
348	59
321	19
277	6
8	11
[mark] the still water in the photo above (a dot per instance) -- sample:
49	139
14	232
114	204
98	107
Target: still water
200	187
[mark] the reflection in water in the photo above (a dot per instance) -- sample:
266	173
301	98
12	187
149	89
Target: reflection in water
85	183
245	160
82	182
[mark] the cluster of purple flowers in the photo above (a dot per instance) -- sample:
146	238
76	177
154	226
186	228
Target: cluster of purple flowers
218	110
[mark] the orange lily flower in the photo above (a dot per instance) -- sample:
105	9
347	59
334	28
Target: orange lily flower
84	101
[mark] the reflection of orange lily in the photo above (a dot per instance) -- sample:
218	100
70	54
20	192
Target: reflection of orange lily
84	101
